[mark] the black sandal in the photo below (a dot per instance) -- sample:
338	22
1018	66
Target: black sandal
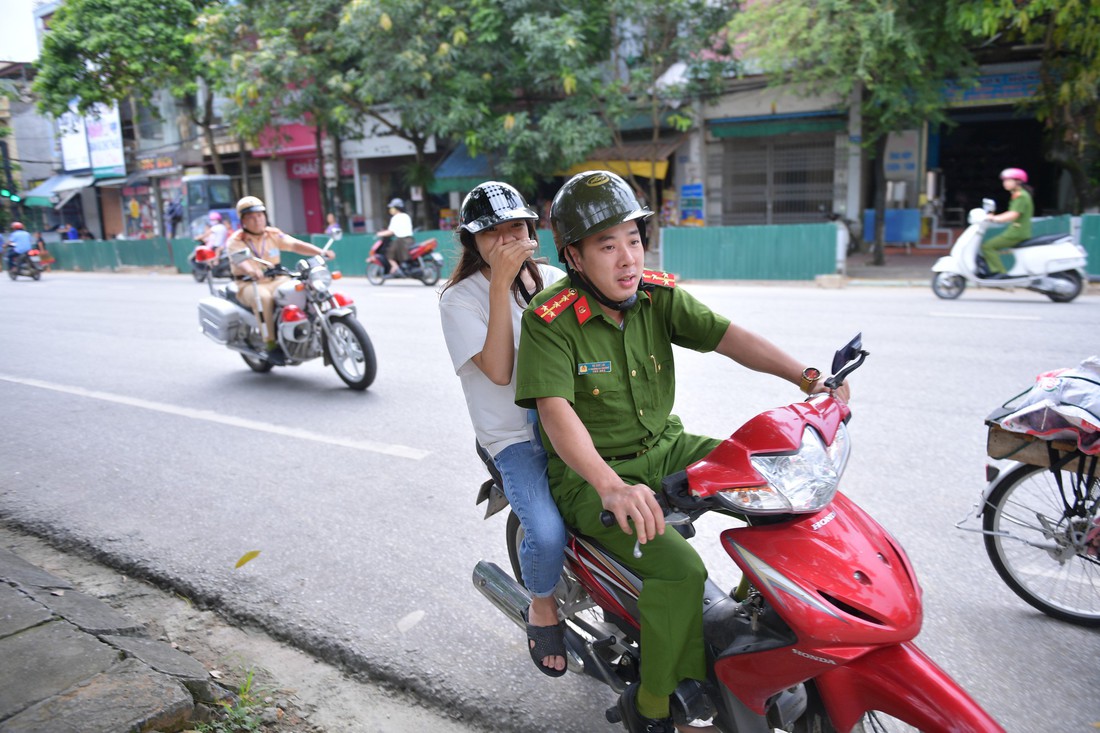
549	641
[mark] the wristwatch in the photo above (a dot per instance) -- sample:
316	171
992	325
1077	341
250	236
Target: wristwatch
810	375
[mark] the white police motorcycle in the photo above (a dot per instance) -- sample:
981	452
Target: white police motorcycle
311	320
1050	264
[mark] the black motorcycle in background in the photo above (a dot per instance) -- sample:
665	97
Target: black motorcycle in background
28	264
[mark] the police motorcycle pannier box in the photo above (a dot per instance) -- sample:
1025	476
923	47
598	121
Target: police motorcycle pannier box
219	319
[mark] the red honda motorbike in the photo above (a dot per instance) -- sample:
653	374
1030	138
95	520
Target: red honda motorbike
424	263
818	636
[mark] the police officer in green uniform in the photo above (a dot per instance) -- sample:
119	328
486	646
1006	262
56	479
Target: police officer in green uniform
596	358
1018	217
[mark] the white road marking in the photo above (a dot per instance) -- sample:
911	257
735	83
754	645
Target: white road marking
984	316
400	451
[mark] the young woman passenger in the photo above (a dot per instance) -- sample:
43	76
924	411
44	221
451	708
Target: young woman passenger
480	309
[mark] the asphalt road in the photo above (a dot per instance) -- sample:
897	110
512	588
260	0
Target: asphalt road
129	433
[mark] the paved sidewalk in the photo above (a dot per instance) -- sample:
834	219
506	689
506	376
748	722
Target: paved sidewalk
69	662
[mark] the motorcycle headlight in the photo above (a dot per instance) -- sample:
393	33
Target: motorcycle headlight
797	483
320	278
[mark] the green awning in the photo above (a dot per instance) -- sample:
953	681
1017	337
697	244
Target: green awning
37	201
769	126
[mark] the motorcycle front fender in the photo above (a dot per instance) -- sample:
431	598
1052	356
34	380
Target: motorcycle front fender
947	263
903	682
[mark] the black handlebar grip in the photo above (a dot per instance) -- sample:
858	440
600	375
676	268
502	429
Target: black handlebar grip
607	519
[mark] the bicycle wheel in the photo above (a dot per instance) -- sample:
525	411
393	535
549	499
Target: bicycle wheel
1043	537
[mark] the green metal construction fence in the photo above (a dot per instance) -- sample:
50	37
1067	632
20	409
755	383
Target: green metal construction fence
779	252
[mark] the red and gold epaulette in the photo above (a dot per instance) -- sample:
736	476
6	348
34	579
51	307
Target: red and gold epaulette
663	279
560	302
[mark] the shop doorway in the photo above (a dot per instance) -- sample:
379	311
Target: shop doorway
972	154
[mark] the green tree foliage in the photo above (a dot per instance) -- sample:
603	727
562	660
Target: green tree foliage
893	56
1068	34
621	65
109	51
278	62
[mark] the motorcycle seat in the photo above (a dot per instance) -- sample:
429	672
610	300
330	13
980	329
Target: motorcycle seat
1038	241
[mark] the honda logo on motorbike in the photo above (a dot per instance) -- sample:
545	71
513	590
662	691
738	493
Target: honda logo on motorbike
823	660
823	521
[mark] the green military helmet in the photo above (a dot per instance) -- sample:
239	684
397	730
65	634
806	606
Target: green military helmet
590	202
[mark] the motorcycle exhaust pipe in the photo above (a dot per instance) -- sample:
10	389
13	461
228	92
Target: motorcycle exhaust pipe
512	600
502	590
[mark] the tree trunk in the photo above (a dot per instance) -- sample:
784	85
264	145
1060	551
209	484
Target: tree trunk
208	129
337	193
879	245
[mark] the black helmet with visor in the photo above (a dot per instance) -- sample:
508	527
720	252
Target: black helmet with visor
490	203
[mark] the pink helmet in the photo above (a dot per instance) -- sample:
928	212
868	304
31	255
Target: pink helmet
215	216
1018	174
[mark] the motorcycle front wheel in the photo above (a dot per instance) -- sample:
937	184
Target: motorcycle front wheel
260	366
375	274
198	274
1042	534
429	273
948	285
351	352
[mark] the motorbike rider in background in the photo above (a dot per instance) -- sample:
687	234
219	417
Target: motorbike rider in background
216	233
401	229
595	357
480	309
263	242
20	243
1018	217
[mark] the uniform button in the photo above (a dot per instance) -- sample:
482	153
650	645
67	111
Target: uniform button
633	372
596	391
641	412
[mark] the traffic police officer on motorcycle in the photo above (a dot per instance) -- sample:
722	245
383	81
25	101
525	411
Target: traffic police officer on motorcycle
254	241
596	358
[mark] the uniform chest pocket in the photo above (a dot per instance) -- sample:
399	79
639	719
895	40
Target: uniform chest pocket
599	400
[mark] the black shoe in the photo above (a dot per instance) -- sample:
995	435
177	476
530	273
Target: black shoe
277	356
635	722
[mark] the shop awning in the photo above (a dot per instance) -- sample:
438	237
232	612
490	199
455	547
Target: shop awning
129	180
643	159
779	124
56	190
460	172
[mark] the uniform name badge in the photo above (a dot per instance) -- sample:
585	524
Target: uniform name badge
594	367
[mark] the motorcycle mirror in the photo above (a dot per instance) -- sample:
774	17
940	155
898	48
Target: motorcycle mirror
238	256
850	351
337	234
988	205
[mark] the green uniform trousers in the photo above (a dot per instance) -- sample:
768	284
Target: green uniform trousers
991	249
671	601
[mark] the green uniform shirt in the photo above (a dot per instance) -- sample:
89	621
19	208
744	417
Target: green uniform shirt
620	381
1025	207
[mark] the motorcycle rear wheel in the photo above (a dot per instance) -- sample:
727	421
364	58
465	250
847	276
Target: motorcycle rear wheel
948	285
429	274
257	365
1072	277
577	608
12	273
1038	539
36	274
375	274
357	367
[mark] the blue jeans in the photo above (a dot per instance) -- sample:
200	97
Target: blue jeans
522	467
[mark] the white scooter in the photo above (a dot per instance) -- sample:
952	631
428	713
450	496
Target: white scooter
1051	264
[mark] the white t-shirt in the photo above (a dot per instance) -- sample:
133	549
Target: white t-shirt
464	313
401	224
218	234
